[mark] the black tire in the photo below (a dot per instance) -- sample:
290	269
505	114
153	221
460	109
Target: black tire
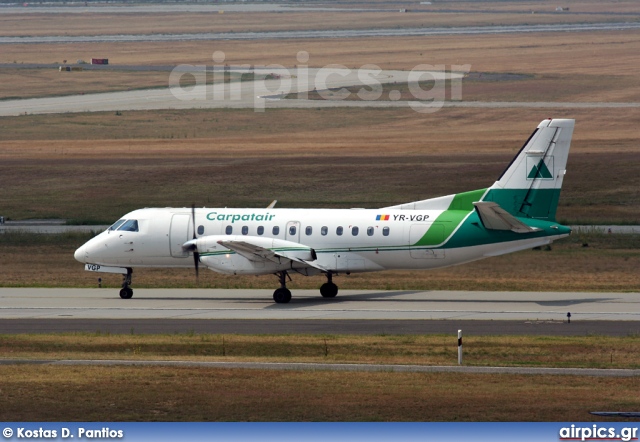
282	296
328	290
126	293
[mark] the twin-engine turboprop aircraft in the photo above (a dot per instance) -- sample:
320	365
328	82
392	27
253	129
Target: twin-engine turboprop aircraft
517	212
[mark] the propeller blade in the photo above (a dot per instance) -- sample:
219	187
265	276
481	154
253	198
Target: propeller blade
196	255
196	260
193	219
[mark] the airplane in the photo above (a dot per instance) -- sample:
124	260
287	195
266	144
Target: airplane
517	212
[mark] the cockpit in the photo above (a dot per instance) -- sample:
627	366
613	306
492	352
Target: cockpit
125	225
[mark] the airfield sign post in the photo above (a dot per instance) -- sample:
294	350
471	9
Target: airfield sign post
459	347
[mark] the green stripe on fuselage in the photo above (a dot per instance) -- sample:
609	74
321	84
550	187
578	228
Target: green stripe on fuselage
465	200
450	219
539	210
472	232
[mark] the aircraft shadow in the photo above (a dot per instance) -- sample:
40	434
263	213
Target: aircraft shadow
391	296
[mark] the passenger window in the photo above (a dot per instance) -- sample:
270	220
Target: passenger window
292	230
129	226
324	230
117	224
308	231
369	231
245	230
339	231
385	231
200	230
229	230
260	230
354	231
276	230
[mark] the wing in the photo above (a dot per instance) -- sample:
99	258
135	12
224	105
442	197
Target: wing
494	217
257	253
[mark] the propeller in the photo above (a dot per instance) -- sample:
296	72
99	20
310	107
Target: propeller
196	255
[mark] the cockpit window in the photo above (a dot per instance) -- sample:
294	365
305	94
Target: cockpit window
117	224
131	225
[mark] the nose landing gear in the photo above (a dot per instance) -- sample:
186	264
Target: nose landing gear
127	292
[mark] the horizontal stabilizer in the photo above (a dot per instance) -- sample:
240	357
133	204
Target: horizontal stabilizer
494	217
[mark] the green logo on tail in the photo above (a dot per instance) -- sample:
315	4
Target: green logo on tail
540	170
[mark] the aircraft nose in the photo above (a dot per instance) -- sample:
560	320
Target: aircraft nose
81	254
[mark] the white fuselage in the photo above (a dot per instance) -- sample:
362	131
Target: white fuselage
343	240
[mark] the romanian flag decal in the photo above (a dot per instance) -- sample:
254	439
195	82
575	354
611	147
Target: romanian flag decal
382	218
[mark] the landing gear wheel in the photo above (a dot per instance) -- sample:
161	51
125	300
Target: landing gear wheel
126	292
282	295
328	290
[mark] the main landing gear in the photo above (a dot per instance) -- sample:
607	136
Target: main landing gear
283	295
329	289
127	292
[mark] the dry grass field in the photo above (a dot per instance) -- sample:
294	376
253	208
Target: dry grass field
70	165
491	351
577	6
596	53
597	66
46	393
50	82
499	87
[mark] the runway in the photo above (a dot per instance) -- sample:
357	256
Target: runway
325	33
352	312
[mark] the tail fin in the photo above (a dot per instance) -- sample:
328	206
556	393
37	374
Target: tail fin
530	186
